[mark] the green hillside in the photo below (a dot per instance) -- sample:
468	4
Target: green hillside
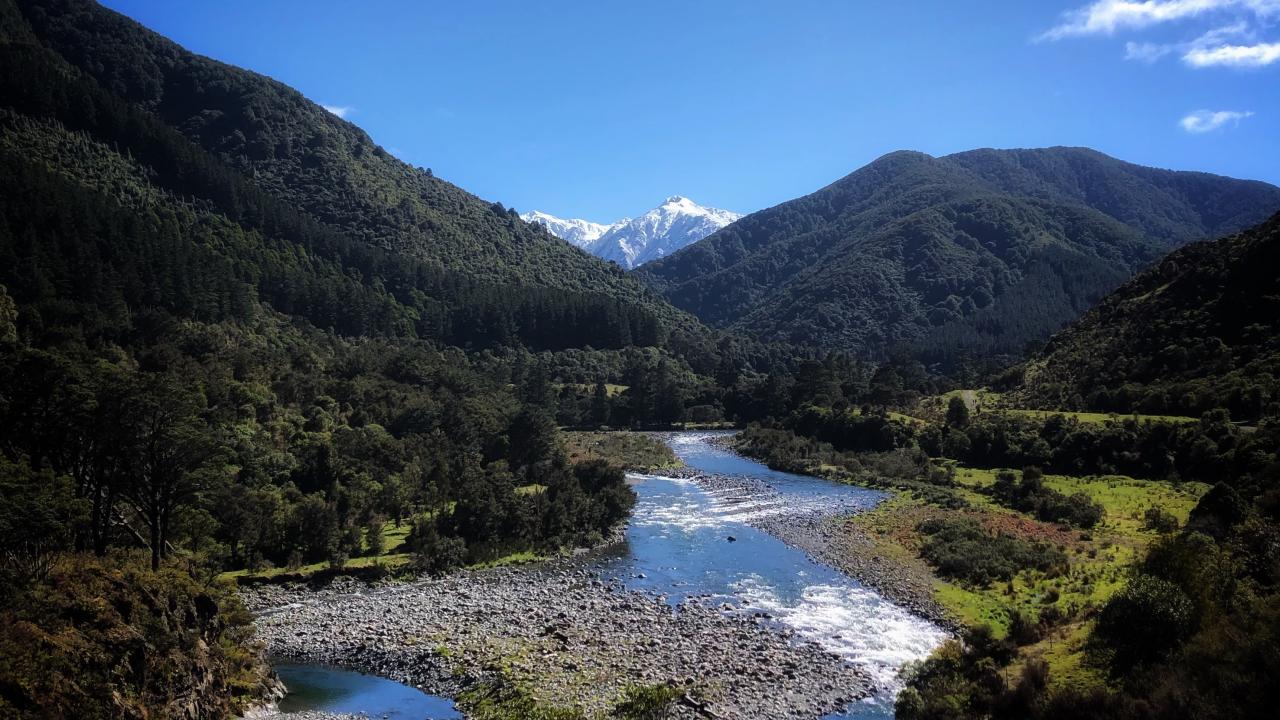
976	254
295	151
1199	330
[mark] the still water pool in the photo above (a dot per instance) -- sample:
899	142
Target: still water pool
313	687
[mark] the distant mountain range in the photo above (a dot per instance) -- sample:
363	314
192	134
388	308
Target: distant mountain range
633	242
970	255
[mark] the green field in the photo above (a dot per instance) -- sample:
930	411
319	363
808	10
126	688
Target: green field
981	400
1097	558
610	389
1089	417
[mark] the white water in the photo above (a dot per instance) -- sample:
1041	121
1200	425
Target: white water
678	541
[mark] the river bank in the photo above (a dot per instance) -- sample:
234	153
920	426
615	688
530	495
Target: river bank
564	635
827	537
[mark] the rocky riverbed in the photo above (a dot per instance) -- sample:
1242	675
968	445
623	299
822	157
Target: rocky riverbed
563	632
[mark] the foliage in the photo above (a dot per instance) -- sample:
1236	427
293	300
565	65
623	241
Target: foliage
1029	495
39	512
1205	451
648	702
966	256
633	451
1190	634
899	469
1144	622
1198	331
109	638
1159	520
502	699
962	549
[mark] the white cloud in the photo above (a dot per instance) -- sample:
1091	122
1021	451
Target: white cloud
1146	52
341	111
1151	52
1104	17
1203	121
1233	55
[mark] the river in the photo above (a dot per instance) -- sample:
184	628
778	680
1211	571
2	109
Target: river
678	544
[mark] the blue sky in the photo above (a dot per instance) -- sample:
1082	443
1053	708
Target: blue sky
602	109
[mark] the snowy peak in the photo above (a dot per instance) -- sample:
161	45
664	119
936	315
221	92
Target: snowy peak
578	232
675	223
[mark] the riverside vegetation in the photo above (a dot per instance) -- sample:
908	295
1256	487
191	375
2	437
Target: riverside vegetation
240	342
1137	578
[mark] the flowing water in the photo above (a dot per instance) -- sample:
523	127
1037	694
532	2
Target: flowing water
678	545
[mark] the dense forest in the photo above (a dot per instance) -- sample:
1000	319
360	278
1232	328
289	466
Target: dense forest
1199	330
200	372
964	259
236	335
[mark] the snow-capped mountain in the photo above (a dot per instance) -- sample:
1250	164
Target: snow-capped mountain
632	242
579	232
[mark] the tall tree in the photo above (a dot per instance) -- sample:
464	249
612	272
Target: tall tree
171	451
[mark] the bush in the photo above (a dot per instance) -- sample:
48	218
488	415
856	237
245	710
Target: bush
432	551
648	702
962	550
1142	623
375	543
110	638
1032	497
338	559
1159	520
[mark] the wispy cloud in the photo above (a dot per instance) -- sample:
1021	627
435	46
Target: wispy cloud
1151	52
1233	55
341	111
1203	121
1105	17
1147	52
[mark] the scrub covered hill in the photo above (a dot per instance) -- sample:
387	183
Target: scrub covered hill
968	255
1200	330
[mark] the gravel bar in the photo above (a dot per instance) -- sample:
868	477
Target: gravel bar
562	631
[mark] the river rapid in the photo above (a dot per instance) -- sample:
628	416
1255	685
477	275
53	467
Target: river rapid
693	537
677	543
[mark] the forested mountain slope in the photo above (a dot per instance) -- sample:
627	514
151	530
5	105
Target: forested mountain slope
252	359
1200	330
976	253
300	153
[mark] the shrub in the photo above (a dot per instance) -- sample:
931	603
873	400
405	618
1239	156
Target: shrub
375	543
962	550
1159	520
648	702
1032	497
1142	623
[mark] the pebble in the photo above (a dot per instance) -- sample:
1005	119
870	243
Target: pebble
561	630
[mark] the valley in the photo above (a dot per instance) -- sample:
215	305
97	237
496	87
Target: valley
736	626
292	427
